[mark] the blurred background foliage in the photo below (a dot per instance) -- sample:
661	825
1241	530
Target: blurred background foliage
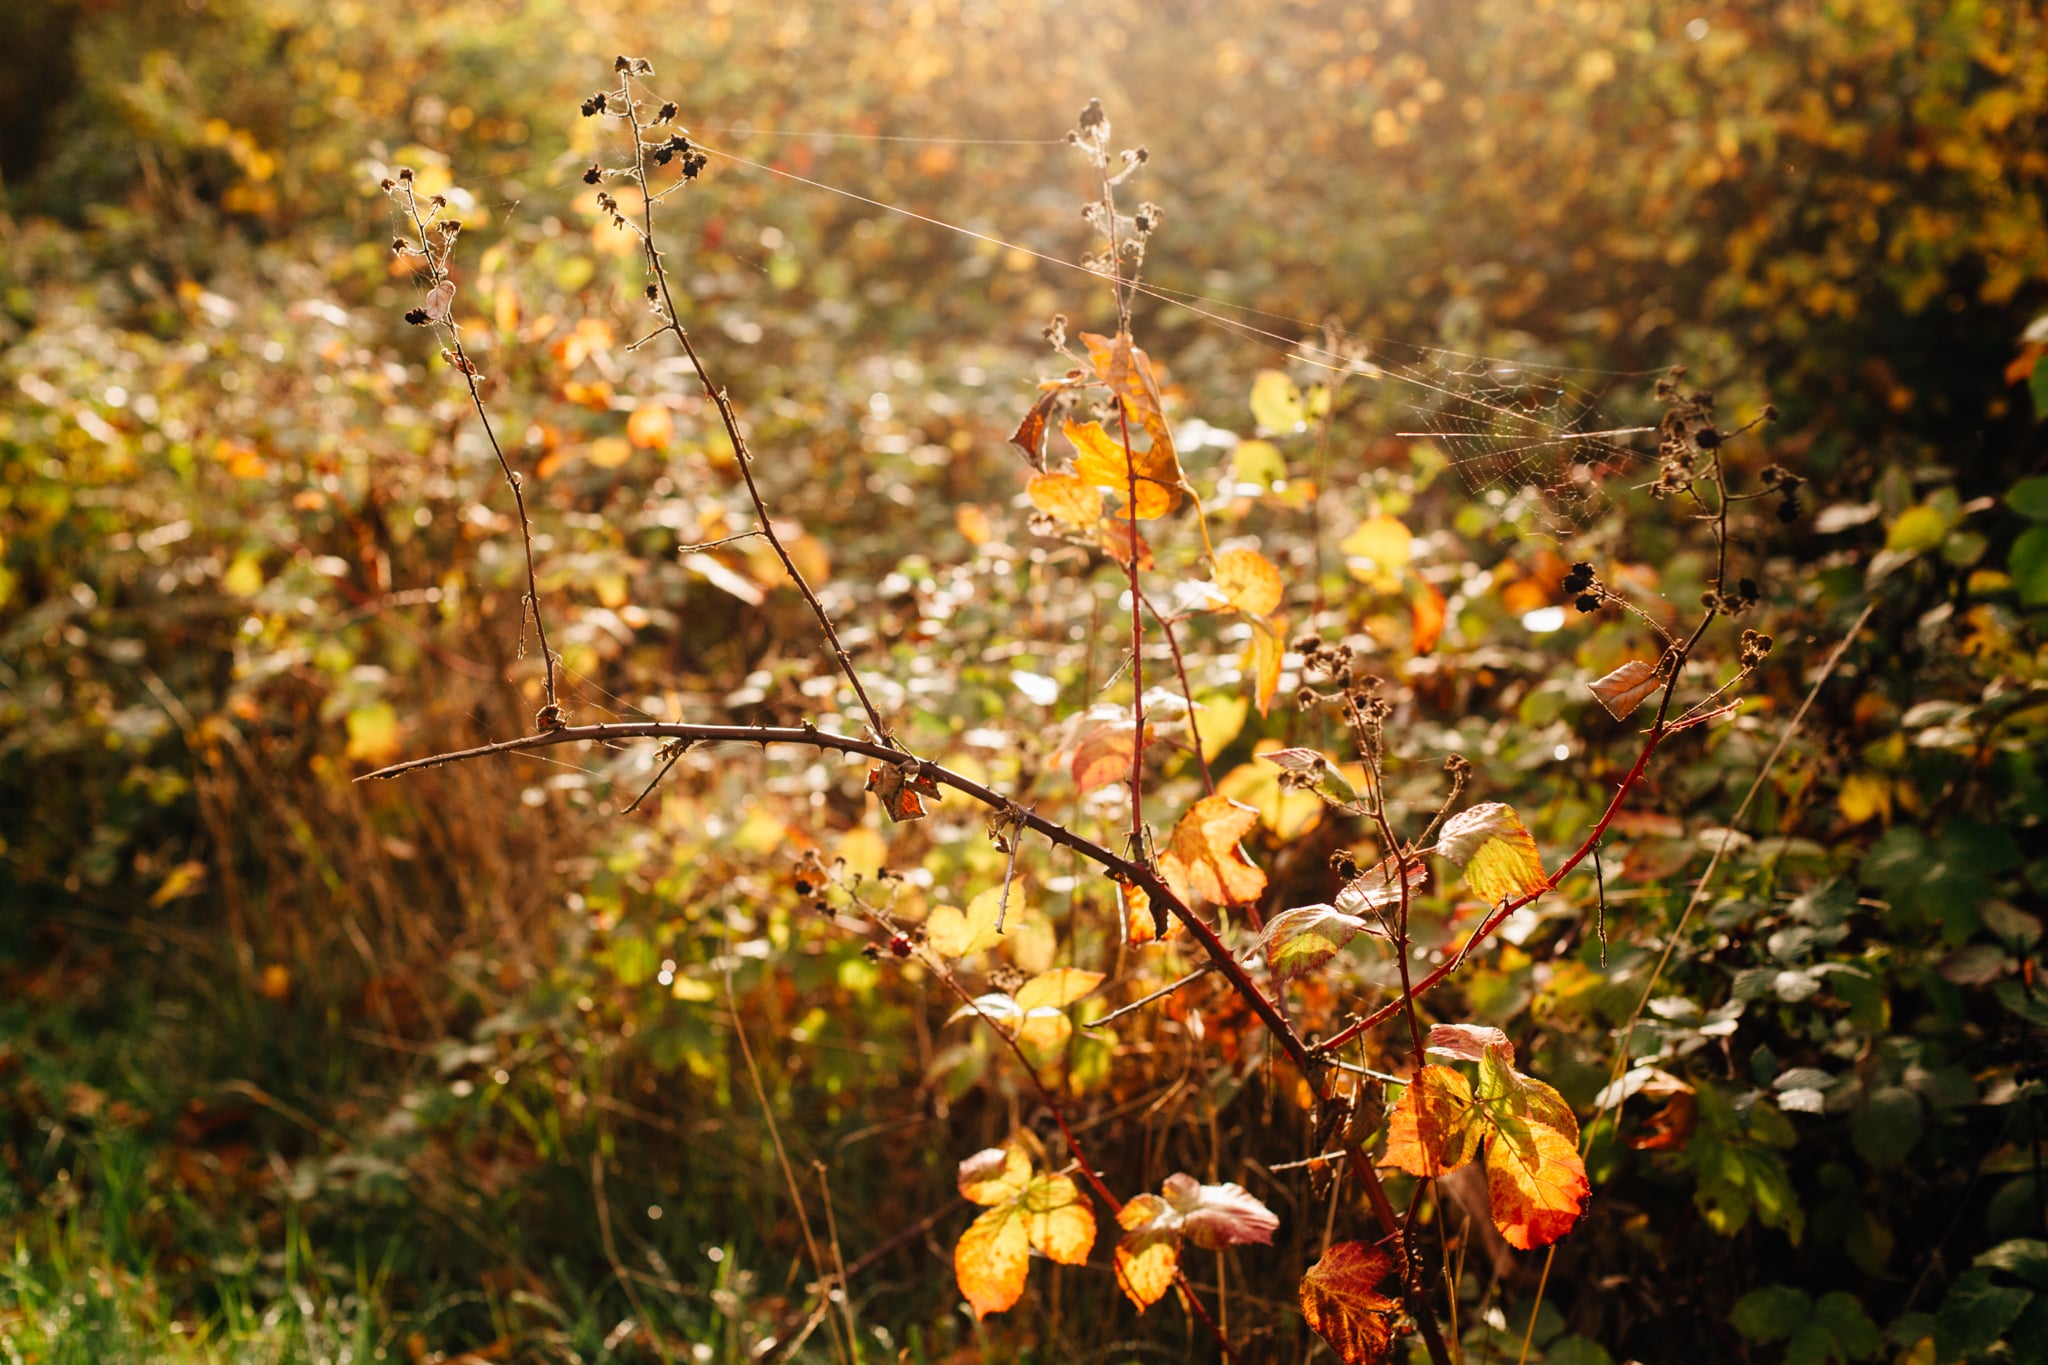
302	1069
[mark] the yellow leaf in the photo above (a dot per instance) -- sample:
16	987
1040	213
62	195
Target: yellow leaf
1498	853
1269	648
1203	859
1379	549
1258	462
1058	1219
1045	1031
609	452
1146	1257
1864	796
1433	1130
1102	463
994	1175
954	933
244	577
1139	926
1535	1182
183	880
1064	497
862	848
991	1260
1249	582
1276	402
1218	720
1057	989
1289	812
1128	372
373	732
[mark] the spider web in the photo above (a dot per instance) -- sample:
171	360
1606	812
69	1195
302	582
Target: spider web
1524	437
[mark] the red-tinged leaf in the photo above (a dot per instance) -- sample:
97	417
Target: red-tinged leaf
1427	611
994	1174
1340	1299
1376	889
1066	499
1498	854
1103	757
1029	436
1626	688
1217	1216
1058	1220
1249	582
1435	1128
1670	1128
1299	941
1148	1253
1269	647
991	1260
1536	1183
1467	1042
1202	858
899	787
1118	538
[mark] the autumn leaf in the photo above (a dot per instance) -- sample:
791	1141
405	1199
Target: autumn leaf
1056	989
1029	436
1496	850
1248	582
1435	1127
992	1259
1217	1216
994	1174
1269	647
1299	941
1141	923
900	787
1467	1042
651	426
1119	540
1378	550
1058	1220
1203	859
1276	403
1427	611
1104	757
1065	498
953	933
1102	463
1535	1182
1317	773
1148	1253
1376	888
1626	688
1507	1093
1128	372
1340	1299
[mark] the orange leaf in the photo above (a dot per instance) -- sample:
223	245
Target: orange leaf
1203	858
1065	498
1029	436
1269	647
991	1260
1433	1129
899	787
1128	372
1118	536
1536	1182
1139	925
1623	690
1104	463
1428	610
1104	756
994	1175
1340	1299
1249	582
651	426
1146	1255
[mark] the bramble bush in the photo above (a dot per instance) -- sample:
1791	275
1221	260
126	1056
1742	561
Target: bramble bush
1285	808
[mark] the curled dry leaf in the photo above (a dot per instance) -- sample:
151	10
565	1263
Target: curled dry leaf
1467	1042
1626	688
1340	1299
1216	1216
901	787
1249	582
439	302
1203	859
1029	436
1496	850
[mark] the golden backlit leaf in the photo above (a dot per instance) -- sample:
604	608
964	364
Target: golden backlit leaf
1146	1261
1058	1219
1057	989
1065	498
1101	463
991	1260
1298	941
1044	1031
1428	612
953	933
1379	550
608	452
1536	1183
1103	756
1202	859
1277	403
1139	924
1497	851
1249	582
1219	718
1434	1129
1117	538
373	732
1128	372
1340	1299
1269	648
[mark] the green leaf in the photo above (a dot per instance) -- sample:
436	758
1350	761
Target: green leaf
2024	1257
2029	565
1918	529
2037	389
1842	1317
1975	1314
1772	1313
1887	1129
2029	498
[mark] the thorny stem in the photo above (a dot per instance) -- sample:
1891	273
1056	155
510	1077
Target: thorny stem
741	454
551	713
1143	876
